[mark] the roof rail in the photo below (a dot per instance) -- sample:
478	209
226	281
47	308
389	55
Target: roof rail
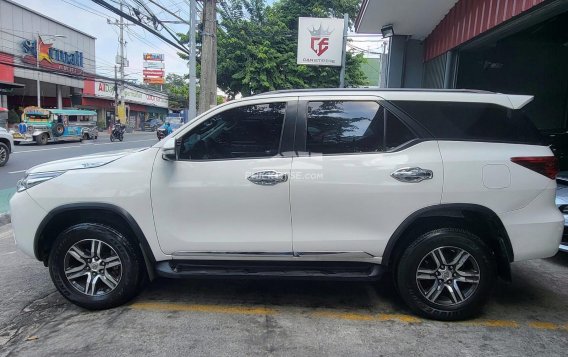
373	89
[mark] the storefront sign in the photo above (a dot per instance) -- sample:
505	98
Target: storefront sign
50	54
131	94
153	56
153	72
320	41
152	80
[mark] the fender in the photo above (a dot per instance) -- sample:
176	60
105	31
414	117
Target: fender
453	210
147	253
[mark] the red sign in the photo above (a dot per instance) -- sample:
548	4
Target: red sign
59	67
320	45
150	72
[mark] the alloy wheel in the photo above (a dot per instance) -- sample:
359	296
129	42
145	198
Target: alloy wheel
92	267
448	276
3	154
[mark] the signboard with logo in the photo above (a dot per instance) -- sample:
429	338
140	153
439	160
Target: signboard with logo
320	41
153	56
153	68
131	94
51	57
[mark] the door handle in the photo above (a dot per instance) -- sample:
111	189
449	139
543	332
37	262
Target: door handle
412	174
268	178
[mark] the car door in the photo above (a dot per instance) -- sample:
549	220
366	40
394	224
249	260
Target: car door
227	194
360	172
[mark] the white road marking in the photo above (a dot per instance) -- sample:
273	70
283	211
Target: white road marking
78	146
17	172
1	255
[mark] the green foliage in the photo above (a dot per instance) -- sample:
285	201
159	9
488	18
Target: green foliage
13	117
257	46
177	88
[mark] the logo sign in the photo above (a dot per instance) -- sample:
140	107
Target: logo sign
50	54
153	65
153	56
320	41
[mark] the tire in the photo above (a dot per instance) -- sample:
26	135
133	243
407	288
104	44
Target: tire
4	154
113	244
443	284
121	137
41	139
112	137
86	136
58	129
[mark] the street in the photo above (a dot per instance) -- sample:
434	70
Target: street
26	156
271	317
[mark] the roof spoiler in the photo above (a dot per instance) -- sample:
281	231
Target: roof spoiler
519	101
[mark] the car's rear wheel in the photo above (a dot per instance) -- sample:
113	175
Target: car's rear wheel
95	266
446	274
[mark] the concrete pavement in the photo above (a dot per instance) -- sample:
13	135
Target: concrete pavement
277	318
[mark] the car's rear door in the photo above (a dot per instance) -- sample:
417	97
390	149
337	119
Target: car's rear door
360	171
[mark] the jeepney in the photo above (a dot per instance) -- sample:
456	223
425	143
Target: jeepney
41	125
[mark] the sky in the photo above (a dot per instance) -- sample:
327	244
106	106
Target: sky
90	18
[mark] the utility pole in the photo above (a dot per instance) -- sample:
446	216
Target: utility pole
120	60
344	51
208	80
192	65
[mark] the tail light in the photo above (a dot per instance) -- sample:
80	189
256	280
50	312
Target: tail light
544	165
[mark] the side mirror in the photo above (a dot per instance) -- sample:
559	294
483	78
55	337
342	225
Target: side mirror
171	149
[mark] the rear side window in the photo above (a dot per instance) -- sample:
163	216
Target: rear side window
473	121
346	127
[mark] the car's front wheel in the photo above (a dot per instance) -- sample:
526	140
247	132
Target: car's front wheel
446	274
95	266
4	154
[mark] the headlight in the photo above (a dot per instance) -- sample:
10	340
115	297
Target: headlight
32	180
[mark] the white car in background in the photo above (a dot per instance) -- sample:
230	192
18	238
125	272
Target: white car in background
6	146
442	189
562	203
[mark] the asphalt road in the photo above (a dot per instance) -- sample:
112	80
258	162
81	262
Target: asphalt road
26	156
277	318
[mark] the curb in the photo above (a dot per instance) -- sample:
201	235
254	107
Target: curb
5	219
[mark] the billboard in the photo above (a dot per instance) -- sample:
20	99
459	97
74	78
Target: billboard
153	80
153	65
320	41
153	56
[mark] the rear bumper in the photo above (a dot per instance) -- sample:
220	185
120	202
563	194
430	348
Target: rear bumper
536	230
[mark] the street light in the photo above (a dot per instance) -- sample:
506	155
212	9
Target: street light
37	65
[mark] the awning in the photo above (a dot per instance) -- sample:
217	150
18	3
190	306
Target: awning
8	87
72	112
408	17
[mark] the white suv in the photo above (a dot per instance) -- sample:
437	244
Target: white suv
6	146
442	188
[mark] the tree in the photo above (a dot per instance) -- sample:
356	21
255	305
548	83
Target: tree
177	88
257	46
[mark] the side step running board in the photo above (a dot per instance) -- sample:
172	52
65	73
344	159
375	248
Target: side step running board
289	270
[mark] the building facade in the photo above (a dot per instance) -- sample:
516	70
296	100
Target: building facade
508	46
34	47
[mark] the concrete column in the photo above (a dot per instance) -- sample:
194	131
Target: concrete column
397	51
59	96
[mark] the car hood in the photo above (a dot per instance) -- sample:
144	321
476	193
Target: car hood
81	162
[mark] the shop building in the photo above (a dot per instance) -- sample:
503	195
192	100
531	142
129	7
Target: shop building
33	46
508	46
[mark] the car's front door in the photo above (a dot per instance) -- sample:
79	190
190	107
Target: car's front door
352	184
228	194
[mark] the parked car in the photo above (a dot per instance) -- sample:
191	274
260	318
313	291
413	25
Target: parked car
562	203
442	189
152	124
6	146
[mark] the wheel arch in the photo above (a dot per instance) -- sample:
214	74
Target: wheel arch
68	215
7	143
479	219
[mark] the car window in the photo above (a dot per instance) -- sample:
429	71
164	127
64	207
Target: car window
473	121
397	133
337	127
251	131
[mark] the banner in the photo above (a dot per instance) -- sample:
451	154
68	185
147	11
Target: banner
320	41
153	72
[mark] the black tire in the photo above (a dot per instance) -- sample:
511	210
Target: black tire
86	136
4	154
132	273
41	139
449	238
58	129
112	137
121	137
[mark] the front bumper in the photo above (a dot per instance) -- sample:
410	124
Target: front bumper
26	216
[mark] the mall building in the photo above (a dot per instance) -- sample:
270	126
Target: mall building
508	46
65	66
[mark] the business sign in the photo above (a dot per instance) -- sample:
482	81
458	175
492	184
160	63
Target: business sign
131	94
52	58
153	56
154	80
153	72
153	65
320	41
